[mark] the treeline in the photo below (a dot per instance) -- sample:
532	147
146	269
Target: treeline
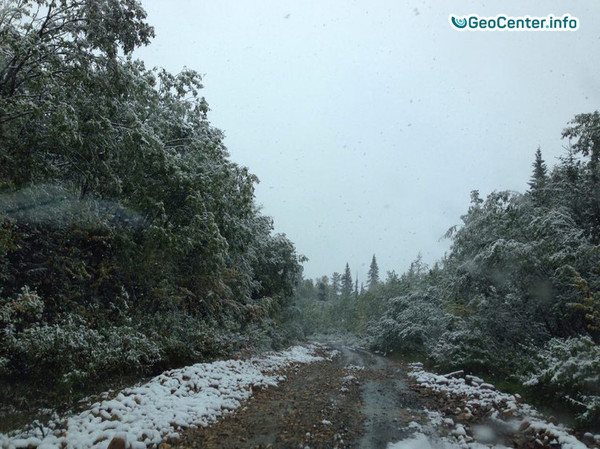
129	241
340	303
518	294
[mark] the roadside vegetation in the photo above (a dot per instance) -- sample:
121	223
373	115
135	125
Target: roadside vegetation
129	241
517	295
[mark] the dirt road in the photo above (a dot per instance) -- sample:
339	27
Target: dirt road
357	400
349	398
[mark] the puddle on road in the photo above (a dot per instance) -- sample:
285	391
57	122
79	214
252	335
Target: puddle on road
385	415
388	404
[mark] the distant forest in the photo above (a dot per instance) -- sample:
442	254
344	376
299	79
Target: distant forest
517	295
129	241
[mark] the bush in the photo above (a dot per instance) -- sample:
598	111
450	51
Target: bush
465	348
25	309
571	369
413	322
184	339
68	354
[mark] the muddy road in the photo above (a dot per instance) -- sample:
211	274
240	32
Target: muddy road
356	400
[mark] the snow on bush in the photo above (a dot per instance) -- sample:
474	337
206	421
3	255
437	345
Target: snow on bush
147	414
466	347
26	307
571	366
411	324
574	362
70	351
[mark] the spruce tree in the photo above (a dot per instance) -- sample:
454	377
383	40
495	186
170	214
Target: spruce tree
322	291
540	173
347	282
373	275
336	279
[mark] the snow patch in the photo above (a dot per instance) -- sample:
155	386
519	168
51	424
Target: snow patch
147	414
500	407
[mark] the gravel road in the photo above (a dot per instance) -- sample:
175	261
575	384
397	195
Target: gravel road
356	400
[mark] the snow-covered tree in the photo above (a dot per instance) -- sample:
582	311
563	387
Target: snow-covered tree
151	224
540	173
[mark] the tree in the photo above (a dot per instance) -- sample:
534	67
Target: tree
347	282
336	279
55	58
585	128
322	289
539	176
589	306
373	274
157	229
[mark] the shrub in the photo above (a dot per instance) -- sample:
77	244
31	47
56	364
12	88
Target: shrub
67	354
413	322
571	369
25	309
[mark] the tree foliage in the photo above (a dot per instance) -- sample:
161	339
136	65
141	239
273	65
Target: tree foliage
119	205
347	282
517	294
373	274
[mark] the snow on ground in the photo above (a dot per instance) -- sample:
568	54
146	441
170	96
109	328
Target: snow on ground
479	400
421	441
147	414
427	436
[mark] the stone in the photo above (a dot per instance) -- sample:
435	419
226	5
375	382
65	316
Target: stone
117	443
524	426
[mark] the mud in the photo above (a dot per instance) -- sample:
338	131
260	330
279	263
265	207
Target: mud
388	404
357	400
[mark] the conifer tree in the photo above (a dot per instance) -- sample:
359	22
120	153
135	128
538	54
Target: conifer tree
347	282
540	173
322	291
336	279
373	275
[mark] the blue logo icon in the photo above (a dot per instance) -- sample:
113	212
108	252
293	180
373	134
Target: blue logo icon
459	23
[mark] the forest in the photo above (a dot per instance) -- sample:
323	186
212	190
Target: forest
516	296
129	241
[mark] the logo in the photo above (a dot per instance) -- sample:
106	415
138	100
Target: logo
458	23
503	22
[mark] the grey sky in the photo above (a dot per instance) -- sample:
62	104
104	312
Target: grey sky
369	122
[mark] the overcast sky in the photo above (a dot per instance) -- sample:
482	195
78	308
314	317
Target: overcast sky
369	122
